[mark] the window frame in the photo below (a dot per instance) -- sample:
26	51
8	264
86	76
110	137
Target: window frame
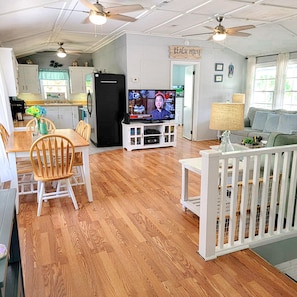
263	104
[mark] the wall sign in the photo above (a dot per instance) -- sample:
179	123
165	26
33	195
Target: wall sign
184	52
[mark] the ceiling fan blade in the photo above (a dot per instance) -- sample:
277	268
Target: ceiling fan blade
86	20
240	28
196	34
89	5
207	27
123	8
120	17
242	34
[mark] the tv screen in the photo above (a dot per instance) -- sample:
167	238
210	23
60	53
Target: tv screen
152	105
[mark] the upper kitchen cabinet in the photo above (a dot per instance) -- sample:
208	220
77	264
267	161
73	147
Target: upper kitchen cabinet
9	66
28	79
78	78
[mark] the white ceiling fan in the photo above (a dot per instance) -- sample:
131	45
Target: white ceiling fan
60	51
98	14
220	32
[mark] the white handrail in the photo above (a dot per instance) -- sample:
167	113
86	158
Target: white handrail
248	198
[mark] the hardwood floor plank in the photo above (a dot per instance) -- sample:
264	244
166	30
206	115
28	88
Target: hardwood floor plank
134	239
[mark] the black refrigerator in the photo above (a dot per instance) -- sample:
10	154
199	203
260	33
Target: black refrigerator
106	105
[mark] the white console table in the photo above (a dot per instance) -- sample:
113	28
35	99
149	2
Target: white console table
191	203
138	135
193	165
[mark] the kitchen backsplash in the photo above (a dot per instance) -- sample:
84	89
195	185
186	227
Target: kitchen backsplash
37	99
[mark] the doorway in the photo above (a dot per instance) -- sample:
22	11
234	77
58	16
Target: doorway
184	75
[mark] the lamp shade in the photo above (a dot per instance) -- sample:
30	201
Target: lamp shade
238	98
227	116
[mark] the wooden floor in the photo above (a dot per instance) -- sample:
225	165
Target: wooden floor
134	239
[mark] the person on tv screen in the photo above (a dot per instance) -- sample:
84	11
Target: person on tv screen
139	107
160	113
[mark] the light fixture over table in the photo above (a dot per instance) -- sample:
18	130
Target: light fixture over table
61	53
219	36
97	18
228	117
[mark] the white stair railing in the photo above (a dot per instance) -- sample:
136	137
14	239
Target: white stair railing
248	198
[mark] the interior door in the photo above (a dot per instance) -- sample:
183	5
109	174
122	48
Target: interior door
188	102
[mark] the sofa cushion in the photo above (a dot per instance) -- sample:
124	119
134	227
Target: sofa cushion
259	120
271	123
251	115
280	139
287	123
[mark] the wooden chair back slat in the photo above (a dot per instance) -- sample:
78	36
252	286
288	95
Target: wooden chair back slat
31	125
52	157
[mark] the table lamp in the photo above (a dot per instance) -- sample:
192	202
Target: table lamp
228	117
238	98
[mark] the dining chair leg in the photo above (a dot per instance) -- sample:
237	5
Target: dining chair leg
70	191
40	197
81	169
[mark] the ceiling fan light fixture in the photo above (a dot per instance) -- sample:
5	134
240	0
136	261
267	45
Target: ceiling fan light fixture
61	53
97	18
219	36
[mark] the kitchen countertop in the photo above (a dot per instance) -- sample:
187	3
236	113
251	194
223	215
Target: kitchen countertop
56	104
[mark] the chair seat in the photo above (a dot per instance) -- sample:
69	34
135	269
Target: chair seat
24	166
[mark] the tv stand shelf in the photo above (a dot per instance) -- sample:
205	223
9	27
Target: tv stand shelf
139	135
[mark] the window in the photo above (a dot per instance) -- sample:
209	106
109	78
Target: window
264	86
274	84
290	96
54	85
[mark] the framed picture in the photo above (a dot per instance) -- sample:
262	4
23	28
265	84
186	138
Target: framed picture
219	66
218	78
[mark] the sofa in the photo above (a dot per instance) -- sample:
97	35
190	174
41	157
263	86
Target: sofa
277	127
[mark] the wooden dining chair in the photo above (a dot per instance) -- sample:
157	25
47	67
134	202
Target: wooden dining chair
52	160
26	182
4	134
31	125
80	126
78	178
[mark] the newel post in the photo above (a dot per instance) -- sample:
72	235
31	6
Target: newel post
208	203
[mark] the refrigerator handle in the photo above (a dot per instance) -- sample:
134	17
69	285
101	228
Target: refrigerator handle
89	103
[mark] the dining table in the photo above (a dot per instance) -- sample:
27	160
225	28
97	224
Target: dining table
19	144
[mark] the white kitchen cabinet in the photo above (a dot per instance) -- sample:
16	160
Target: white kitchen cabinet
139	135
9	67
63	116
78	78
28	79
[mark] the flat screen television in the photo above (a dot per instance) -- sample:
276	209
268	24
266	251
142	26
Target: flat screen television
151	105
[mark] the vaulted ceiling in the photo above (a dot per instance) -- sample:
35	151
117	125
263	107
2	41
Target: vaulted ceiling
32	26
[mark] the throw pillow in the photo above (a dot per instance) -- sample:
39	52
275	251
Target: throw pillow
271	123
287	123
259	120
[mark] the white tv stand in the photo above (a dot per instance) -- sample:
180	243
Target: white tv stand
139	135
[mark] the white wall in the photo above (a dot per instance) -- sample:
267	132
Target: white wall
112	58
145	61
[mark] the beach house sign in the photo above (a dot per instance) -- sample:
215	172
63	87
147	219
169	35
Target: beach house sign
184	52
